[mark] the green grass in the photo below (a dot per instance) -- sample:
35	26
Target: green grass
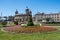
52	24
30	36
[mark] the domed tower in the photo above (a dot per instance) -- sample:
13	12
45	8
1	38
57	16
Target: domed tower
16	12
29	17
28	12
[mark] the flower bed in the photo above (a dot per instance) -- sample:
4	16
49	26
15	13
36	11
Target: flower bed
19	29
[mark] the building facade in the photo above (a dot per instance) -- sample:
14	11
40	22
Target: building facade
53	17
22	18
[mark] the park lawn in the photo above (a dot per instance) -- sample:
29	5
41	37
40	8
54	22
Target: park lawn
51	24
30	36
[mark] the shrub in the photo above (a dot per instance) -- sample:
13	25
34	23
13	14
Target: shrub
4	23
0	23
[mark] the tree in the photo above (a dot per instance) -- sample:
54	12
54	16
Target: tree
47	19
16	22
4	22
30	22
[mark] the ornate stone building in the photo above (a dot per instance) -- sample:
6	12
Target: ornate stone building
53	17
22	18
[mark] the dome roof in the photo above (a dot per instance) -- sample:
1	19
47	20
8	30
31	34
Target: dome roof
16	12
27	9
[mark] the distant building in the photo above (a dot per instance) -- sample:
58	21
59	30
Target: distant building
22	18
41	17
10	18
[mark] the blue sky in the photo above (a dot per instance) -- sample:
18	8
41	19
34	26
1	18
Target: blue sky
8	7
